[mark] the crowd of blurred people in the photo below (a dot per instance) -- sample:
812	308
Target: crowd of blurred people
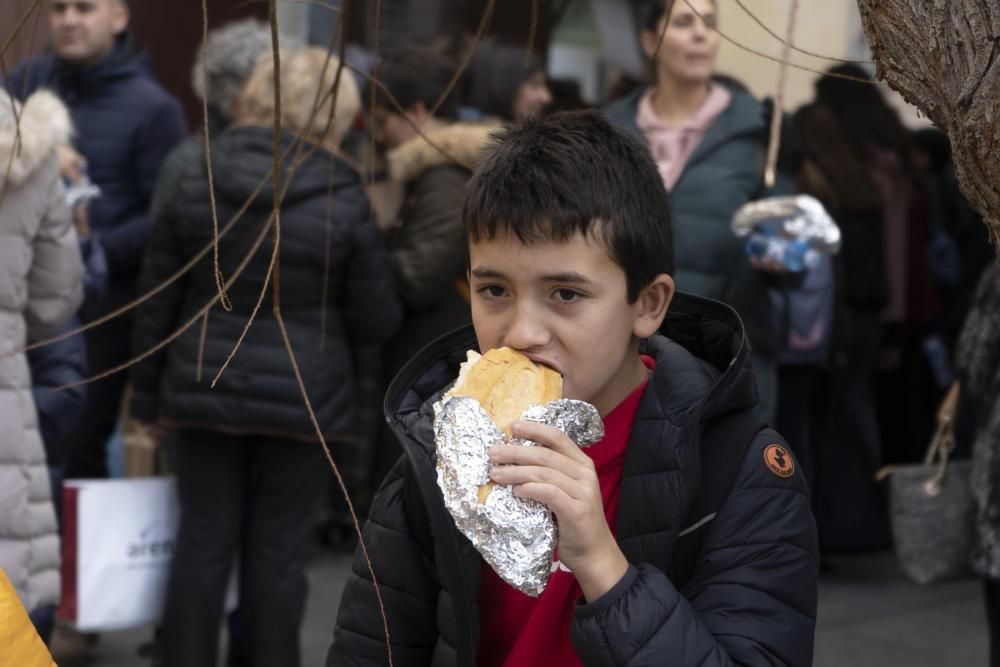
850	358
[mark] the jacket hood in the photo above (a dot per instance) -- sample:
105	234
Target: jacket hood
463	143
702	370
242	159
45	124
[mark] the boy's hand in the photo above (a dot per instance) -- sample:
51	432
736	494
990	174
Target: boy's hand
558	474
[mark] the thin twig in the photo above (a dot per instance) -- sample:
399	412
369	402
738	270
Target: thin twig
276	260
276	168
318	3
324	307
138	301
667	11
372	154
17	28
326	261
403	115
298	160
184	327
253	314
771	166
484	23
16	149
766	56
778	37
294	146
201	347
340	483
223	297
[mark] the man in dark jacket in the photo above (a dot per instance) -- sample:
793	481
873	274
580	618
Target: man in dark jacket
663	558
125	124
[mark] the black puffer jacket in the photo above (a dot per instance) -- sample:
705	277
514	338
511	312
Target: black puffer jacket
751	598
258	394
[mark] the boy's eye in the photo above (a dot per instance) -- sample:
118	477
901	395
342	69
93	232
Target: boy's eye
492	291
567	295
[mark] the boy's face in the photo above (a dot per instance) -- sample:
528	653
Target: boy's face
564	304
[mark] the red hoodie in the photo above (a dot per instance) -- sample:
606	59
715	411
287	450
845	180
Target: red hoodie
516	629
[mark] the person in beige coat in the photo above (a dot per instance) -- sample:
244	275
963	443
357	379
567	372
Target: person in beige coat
41	286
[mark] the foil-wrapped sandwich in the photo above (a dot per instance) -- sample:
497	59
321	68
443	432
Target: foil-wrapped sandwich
516	537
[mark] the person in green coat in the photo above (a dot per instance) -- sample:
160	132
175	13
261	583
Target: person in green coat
710	143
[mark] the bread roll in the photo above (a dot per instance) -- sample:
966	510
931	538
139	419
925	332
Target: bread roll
505	383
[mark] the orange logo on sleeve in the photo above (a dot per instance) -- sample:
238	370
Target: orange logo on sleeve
779	461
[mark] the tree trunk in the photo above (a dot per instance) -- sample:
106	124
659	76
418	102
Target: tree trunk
943	56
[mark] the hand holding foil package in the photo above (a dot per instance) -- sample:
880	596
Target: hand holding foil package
792	231
517	537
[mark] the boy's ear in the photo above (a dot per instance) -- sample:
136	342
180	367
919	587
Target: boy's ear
652	305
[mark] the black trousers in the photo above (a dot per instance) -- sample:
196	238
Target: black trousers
848	503
991	593
258	494
108	346
797	418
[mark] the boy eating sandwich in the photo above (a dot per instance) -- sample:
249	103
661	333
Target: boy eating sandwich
684	536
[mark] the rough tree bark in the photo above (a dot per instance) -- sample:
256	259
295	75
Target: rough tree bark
943	56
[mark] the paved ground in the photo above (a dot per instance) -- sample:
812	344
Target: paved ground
870	616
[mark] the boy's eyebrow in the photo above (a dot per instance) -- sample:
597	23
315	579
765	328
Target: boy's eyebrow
567	277
571	277
487	273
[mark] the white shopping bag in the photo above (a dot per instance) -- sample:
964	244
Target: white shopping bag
118	541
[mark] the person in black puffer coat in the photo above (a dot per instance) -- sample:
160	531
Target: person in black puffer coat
247	454
846	447
685	535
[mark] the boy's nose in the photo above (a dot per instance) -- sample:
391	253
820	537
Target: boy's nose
527	331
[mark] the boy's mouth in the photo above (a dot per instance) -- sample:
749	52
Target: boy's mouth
539	359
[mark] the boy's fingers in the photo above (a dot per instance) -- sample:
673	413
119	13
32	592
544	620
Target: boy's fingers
548	436
519	455
518	475
549	495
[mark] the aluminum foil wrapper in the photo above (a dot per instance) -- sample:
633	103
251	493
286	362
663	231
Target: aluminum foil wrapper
799	217
516	537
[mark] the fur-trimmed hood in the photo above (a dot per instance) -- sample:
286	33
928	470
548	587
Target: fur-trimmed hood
45	125
463	143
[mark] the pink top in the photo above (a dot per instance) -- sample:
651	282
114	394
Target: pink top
672	145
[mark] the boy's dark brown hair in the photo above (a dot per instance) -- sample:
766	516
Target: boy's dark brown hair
574	172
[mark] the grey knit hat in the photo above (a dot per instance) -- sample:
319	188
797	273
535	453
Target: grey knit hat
233	51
